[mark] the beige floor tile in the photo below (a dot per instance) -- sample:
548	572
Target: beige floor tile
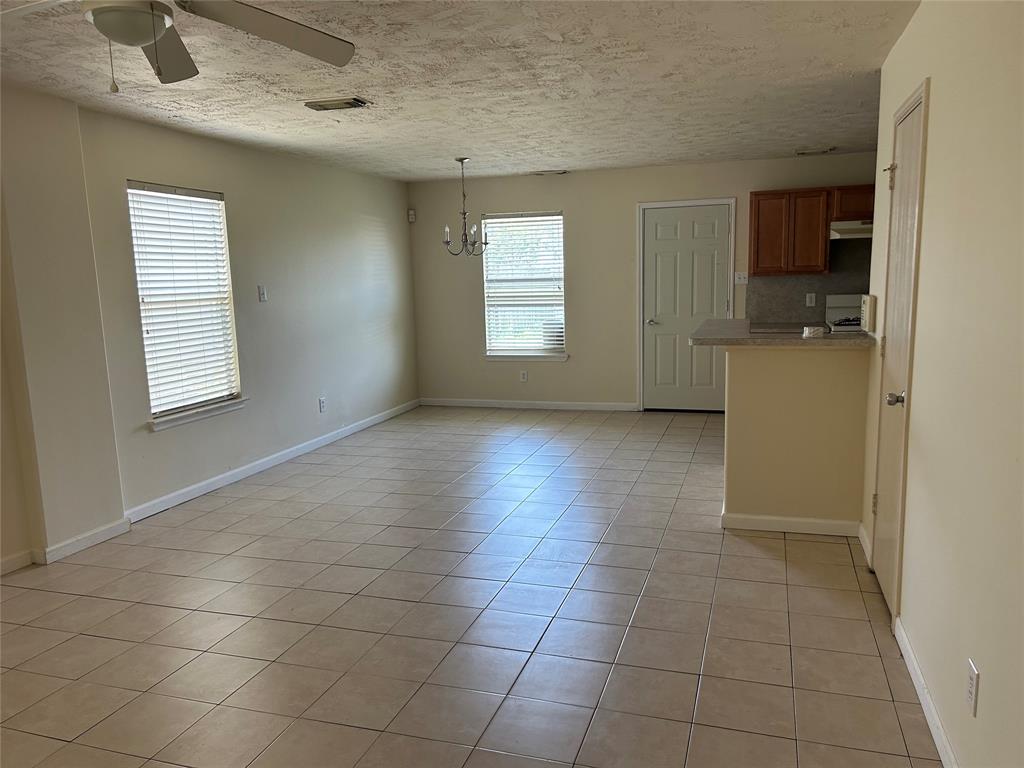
745	706
825	756
835	672
80	614
210	677
672	615
749	624
138	622
750	594
309	743
145	726
650	692
753	546
581	640
692	563
446	714
225	738
837	603
680	586
71	711
246	599
283	689
876	608
20	690
748	660
343	578
25	749
262	639
365	701
603	607
900	683
330	648
187	592
392	749
373	556
141	667
721	748
484	758
915	731
480	668
405	658
286	574
369	614
22	643
830	634
621	740
436	622
824	575
656	649
692	541
199	631
307	606
76	657
402	585
469	593
818	552
606	578
624	556
529	598
752	569
848	721
563	680
500	629
81	756
564	550
32	604
537	729
234	567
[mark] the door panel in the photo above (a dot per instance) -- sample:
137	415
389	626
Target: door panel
686	281
769	229
810	231
896	362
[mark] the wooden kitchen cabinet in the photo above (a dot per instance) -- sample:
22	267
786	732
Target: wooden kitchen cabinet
789	228
853	203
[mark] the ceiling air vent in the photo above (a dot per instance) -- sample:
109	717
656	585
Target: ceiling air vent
324	105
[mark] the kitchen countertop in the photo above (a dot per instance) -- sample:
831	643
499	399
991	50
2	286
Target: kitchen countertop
736	333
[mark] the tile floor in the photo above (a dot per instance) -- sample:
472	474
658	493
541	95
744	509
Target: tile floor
462	587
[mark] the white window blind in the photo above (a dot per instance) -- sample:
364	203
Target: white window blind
184	280
524	301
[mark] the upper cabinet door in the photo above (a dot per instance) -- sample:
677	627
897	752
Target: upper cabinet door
769	232
810	231
853	203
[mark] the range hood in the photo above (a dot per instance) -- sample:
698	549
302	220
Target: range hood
850	230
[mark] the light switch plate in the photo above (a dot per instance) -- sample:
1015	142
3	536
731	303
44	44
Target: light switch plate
261	291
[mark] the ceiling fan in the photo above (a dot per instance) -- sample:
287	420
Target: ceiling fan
149	24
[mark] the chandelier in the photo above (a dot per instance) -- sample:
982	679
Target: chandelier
469	245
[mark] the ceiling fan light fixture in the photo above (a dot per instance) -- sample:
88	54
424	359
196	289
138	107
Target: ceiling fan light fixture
130	22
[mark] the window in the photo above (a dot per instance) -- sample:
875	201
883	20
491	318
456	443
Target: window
184	280
524	307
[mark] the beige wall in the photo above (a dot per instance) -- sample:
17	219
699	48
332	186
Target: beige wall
58	306
331	246
600	265
794	435
963	583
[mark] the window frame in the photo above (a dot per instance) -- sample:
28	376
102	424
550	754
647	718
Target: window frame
532	355
200	409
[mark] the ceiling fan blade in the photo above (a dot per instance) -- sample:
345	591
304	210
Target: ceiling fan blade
169	52
276	29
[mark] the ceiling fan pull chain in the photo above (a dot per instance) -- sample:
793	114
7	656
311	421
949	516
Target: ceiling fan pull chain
113	82
156	48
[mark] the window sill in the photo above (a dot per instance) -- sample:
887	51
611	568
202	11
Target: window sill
159	423
539	357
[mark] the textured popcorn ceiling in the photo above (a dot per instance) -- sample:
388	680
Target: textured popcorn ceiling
516	86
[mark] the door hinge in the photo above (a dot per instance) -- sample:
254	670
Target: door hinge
874	504
881	347
891	170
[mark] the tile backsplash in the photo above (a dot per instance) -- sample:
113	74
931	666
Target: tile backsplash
781	299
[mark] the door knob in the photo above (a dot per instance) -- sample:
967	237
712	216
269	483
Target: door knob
652	321
893	399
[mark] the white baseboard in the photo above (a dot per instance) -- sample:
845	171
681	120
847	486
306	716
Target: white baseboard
15	561
540	405
931	714
78	543
143	511
865	543
790	524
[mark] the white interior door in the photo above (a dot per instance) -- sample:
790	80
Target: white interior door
686	280
904	217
